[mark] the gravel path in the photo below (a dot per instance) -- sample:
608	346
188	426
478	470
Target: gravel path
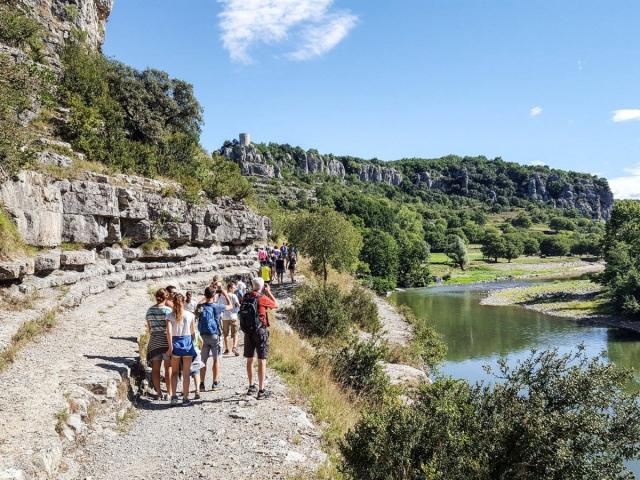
224	435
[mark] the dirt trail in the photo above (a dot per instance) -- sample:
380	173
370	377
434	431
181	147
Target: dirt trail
225	435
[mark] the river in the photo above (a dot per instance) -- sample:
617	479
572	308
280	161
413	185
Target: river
477	335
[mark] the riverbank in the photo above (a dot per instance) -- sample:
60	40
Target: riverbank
580	300
532	267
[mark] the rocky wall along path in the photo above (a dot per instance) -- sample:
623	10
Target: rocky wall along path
77	369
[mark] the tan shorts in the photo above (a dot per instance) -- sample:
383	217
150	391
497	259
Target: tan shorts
230	326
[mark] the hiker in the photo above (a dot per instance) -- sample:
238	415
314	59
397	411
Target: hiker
265	272
158	345
262	255
276	252
254	321
241	290
180	335
210	328
230	321
190	304
171	291
280	268
197	364
284	250
293	261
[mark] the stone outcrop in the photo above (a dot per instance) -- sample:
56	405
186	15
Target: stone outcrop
61	18
255	164
97	211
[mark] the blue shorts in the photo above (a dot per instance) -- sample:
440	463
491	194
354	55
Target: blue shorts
183	346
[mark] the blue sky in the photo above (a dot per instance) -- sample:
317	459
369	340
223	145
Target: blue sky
553	82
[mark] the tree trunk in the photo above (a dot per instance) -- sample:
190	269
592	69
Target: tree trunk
325	273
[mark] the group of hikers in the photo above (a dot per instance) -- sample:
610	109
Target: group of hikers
184	333
275	261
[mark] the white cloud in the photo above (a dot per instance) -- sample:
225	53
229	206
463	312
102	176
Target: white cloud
628	186
535	111
309	27
537	163
626	114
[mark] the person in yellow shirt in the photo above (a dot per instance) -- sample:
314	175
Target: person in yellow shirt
266	272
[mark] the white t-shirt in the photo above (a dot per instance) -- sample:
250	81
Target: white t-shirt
191	306
184	328
235	303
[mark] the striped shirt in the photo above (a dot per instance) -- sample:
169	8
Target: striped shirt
157	318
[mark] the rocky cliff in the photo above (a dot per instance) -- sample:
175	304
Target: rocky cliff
61	18
260	161
108	221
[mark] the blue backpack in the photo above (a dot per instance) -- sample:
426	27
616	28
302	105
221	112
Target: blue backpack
208	324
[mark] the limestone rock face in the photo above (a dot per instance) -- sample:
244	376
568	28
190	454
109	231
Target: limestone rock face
35	204
60	18
373	173
252	163
98	211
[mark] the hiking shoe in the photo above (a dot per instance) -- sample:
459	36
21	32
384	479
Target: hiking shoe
174	400
215	386
202	388
186	402
197	396
252	390
236	352
226	352
263	394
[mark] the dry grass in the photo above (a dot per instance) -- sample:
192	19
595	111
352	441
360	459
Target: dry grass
309	379
123	419
11	242
61	420
154	245
344	280
27	332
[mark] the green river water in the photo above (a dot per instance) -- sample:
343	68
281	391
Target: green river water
477	335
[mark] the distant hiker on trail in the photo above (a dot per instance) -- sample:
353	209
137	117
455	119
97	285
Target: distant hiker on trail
280	268
284	250
158	345
266	272
190	303
230	321
292	264
181	332
254	322
210	328
262	255
276	252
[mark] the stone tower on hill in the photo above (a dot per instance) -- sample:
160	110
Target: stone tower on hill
245	139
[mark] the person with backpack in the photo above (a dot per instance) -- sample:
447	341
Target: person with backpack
254	322
180	336
266	272
210	327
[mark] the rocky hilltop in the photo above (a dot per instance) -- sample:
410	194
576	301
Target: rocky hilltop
489	181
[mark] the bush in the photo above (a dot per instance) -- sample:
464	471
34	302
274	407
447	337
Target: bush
562	223
426	347
382	285
155	245
521	221
19	30
357	366
554	246
530	245
552	417
319	311
362	310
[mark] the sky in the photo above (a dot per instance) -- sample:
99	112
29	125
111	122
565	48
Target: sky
534	82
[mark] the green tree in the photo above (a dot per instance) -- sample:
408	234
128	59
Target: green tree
493	246
328	239
555	246
457	251
621	248
530	245
551	417
562	223
380	251
522	221
513	246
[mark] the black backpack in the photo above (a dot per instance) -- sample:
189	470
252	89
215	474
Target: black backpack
248	314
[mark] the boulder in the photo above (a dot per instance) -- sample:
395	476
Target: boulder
77	258
90	229
47	157
47	261
400	374
16	269
113	254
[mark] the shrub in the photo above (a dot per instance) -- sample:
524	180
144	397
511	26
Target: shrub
19	30
554	246
357	366
530	245
562	223
426	347
552	416
362	309
154	245
319	310
382	285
